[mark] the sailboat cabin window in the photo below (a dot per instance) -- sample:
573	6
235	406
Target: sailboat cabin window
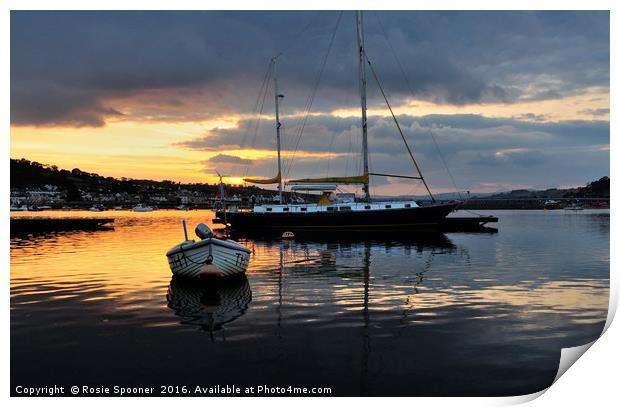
304	209
407	205
388	206
284	209
367	207
268	209
345	208
331	208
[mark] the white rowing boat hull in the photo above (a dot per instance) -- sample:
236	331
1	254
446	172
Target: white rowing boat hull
208	257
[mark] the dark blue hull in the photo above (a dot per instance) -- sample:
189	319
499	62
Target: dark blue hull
350	221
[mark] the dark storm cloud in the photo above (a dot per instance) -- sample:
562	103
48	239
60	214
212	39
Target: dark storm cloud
83	61
34	103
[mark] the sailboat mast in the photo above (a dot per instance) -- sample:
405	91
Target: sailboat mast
362	84
278	124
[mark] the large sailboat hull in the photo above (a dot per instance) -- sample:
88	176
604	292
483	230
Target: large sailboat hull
350	221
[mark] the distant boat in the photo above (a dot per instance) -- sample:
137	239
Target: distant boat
22	208
183	208
574	207
142	208
208	257
37	208
118	208
97	208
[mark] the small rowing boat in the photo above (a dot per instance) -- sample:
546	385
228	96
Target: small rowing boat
207	257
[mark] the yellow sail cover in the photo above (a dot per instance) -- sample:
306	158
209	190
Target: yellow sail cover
358	179
275	180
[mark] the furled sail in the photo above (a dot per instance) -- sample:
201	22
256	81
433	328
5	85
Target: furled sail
358	179
275	180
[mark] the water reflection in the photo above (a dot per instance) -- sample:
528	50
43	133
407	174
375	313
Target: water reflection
475	314
209	304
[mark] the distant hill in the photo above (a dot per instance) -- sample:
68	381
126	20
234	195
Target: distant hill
31	174
595	189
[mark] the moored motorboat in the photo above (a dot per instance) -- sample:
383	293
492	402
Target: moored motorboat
142	208
97	208
208	257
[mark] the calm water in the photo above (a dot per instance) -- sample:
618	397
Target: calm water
456	314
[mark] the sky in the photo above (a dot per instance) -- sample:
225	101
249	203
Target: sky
488	101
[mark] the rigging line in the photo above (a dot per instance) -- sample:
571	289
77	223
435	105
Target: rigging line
260	113
257	103
254	111
349	153
260	102
402	135
339	122
371	185
392	175
444	163
310	100
331	144
298	35
402	70
329	150
313	94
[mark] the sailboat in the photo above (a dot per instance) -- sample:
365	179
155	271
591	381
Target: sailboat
333	213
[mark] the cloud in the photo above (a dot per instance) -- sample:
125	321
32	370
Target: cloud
531	116
477	149
227	159
46	104
508	158
595	112
325	133
88	66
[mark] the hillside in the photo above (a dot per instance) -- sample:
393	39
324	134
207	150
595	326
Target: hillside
75	183
595	189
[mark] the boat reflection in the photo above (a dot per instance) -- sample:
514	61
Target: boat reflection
337	255
420	238
209	305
